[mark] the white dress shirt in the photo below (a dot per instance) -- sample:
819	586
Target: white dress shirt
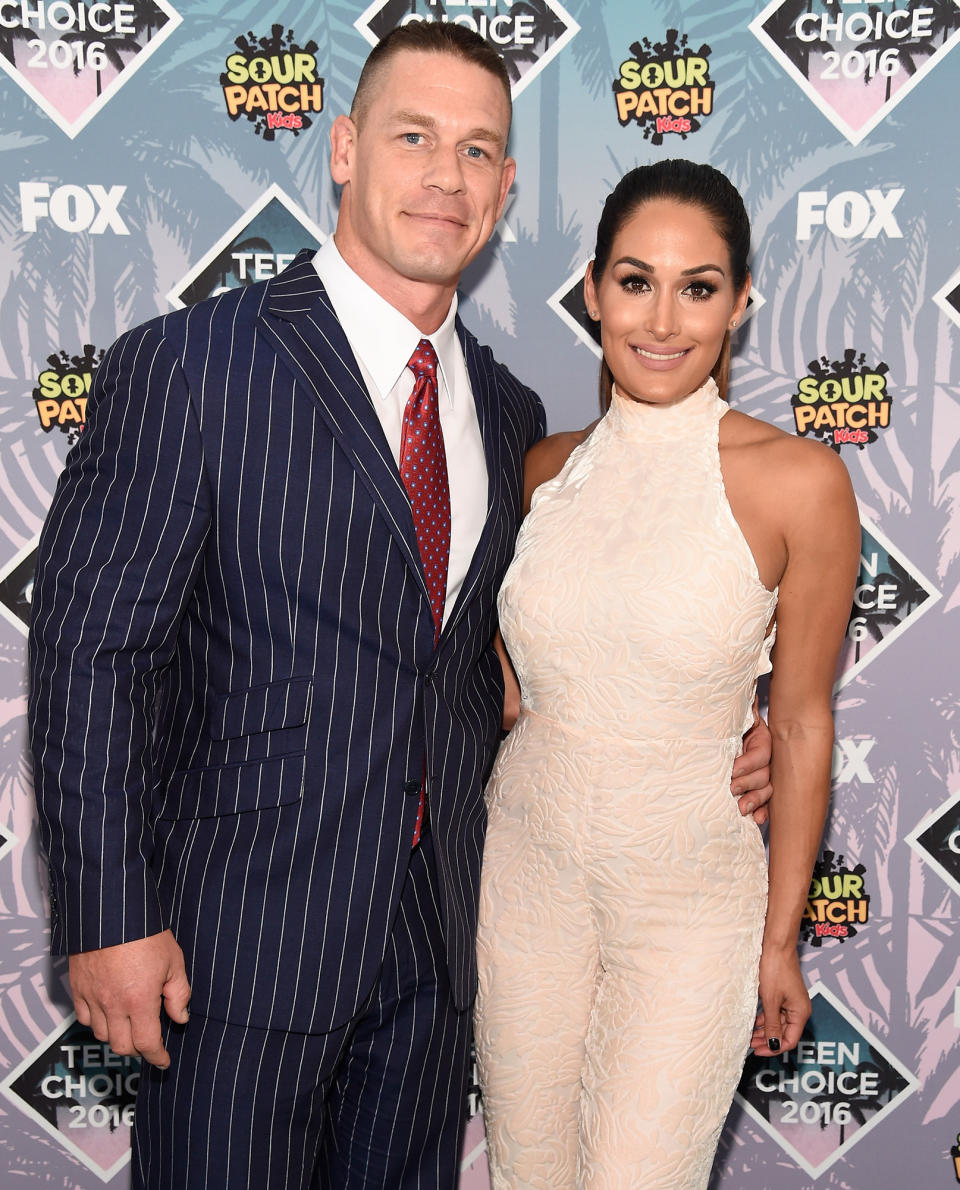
383	341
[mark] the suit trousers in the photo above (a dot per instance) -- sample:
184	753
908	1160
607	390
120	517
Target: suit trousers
378	1103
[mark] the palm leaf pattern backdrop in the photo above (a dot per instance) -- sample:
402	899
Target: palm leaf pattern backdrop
190	172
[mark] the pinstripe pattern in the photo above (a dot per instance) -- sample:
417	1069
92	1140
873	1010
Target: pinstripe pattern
233	673
376	1103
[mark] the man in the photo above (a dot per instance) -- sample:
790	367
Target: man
264	693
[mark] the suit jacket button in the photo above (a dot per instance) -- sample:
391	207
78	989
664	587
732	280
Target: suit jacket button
411	787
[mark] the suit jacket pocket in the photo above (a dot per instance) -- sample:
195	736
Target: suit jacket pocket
261	708
253	756
234	788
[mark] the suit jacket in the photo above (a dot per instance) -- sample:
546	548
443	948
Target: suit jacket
234	681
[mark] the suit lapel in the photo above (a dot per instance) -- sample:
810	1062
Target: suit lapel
488	414
304	330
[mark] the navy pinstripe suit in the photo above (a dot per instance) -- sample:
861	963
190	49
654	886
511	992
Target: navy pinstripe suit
234	682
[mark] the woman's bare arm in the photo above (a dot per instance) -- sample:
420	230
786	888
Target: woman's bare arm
821	530
511	687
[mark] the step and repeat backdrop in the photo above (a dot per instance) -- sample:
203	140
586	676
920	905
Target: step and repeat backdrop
155	153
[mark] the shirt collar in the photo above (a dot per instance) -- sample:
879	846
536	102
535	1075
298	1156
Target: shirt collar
382	338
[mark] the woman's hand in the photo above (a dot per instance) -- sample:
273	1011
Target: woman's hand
750	780
785	1004
511	687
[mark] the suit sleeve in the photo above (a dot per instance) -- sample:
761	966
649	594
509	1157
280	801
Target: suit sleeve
535	426
118	558
539	419
524	408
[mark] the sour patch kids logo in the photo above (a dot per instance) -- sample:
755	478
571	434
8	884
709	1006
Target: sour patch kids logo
273	81
843	401
62	390
665	87
837	901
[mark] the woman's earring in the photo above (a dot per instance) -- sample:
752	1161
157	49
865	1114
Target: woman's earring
734	324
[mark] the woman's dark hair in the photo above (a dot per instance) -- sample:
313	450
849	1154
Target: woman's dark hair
698	186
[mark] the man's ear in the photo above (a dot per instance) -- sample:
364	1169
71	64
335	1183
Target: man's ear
506	181
343	138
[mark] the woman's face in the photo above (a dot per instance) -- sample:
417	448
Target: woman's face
665	301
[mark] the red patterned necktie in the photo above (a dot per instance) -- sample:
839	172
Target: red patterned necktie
423	469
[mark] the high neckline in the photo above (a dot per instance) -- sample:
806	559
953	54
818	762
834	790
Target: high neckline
704	407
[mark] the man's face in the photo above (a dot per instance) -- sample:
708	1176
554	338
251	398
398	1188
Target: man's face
425	175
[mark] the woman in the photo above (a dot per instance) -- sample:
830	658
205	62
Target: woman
624	921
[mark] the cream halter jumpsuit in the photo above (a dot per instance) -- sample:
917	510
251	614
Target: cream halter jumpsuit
623	895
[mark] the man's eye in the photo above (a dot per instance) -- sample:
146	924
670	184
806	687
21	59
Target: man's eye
475	151
413	138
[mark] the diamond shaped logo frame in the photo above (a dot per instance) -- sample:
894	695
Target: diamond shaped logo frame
104	1172
945	293
932	595
815	1169
8	840
552	7
271	194
833	113
71	127
14	592
933	819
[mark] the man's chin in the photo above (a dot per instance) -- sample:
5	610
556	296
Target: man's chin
436	271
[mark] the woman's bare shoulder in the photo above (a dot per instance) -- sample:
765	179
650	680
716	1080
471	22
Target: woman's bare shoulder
799	463
545	461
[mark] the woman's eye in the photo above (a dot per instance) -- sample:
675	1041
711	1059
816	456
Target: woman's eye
700	290
634	284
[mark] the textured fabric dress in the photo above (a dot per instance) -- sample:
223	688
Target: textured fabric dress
623	895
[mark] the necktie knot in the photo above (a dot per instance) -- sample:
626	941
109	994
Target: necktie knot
423	362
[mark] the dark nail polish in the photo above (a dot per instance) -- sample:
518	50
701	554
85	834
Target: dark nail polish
773	1043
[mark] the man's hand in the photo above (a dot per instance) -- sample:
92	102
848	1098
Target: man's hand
750	783
118	991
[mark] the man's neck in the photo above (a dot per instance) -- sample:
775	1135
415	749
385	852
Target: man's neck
426	304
